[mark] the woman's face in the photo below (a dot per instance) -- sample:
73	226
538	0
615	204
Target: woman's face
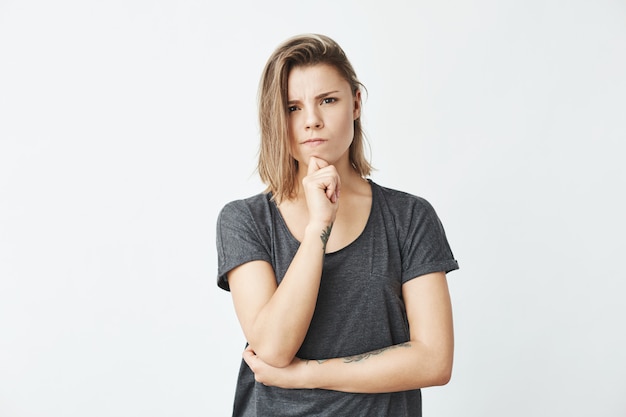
321	114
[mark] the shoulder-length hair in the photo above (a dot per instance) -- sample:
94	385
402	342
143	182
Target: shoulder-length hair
277	167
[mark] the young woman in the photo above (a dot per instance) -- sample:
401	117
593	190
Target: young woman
339	283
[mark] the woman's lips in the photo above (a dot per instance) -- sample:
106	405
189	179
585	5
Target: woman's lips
314	142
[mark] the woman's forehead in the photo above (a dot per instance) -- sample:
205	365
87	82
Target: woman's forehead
315	79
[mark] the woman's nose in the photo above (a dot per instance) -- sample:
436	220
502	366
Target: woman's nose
313	120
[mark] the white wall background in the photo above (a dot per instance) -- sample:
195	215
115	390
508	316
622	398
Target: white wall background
125	126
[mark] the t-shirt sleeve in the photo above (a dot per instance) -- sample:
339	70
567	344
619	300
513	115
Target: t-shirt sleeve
238	240
425	248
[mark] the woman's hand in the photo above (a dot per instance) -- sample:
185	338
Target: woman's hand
291	376
321	189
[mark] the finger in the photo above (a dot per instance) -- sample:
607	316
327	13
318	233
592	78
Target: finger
248	353
248	356
332	190
315	164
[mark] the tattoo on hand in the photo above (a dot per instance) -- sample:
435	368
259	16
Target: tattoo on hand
366	355
325	235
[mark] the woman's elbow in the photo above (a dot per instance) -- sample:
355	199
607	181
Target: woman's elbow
436	368
442	373
443	377
279	361
275	358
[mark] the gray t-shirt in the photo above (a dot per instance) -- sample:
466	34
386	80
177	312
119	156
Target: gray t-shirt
359	307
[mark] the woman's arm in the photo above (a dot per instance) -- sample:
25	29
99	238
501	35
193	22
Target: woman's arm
275	318
425	360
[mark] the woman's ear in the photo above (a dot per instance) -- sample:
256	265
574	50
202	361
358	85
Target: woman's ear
357	105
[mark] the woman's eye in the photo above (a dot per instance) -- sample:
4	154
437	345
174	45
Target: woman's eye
329	100
291	109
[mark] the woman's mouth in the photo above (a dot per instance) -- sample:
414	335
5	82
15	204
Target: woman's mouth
314	141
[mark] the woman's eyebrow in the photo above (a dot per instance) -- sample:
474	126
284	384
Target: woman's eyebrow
317	97
324	95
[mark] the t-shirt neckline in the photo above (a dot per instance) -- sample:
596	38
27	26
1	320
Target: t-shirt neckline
283	223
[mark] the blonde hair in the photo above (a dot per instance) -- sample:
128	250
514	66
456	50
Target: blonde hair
276	167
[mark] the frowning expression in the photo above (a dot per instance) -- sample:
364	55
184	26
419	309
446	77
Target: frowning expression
322	110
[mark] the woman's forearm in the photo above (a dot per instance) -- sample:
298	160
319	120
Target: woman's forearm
401	367
281	325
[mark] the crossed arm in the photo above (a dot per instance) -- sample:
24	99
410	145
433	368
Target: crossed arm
425	360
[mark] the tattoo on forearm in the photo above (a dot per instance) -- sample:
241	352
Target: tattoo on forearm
325	235
363	356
